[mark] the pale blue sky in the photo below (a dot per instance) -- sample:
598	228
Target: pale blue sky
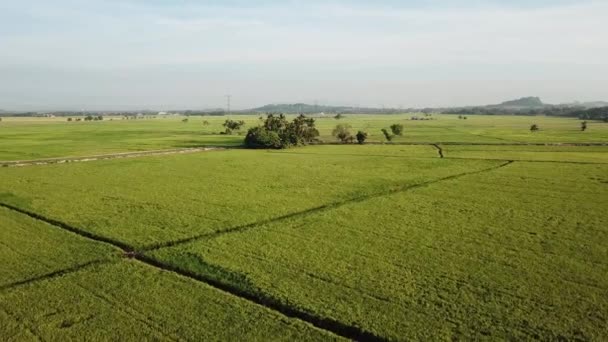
68	54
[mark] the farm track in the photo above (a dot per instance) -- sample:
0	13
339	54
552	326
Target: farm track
439	150
317	209
54	274
62	160
330	325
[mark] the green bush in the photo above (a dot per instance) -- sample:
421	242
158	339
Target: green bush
361	137
260	137
387	135
397	129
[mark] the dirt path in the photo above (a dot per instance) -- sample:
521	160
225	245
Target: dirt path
62	160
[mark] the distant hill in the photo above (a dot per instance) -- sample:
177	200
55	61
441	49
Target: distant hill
524	102
305	108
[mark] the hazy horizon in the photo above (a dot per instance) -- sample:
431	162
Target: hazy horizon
164	55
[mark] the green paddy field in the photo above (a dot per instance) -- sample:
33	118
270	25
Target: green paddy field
472	229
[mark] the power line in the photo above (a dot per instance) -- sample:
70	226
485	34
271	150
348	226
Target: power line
228	98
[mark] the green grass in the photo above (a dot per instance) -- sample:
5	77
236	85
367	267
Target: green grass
150	200
128	301
386	239
30	248
576	154
514	253
36	138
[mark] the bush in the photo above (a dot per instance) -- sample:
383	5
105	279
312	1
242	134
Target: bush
342	133
232	125
361	137
584	126
397	129
387	135
260	137
277	132
534	128
338	116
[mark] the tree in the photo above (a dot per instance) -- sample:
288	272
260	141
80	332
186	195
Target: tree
342	133
338	116
387	135
361	137
397	129
232	125
185	120
69	119
584	126
88	118
301	131
277	132
534	128
260	137
205	123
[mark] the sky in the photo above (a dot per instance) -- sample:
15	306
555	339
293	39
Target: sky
178	54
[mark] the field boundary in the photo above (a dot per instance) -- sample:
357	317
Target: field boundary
327	324
62	160
320	208
54	274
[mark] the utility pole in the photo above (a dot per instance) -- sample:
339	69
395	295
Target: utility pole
228	97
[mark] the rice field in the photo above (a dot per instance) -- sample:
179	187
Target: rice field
459	231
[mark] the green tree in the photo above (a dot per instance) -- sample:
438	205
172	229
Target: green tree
277	132
361	137
534	128
232	125
342	133
387	135
397	129
584	126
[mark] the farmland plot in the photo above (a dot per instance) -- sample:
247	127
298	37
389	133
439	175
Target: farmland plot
130	301
150	201
30	249
514	253
576	154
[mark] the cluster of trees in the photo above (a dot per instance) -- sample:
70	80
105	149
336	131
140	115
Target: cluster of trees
92	118
343	134
599	113
277	132
231	126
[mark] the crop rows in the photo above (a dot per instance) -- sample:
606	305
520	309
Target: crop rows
387	243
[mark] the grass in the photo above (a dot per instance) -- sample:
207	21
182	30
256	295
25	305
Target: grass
129	301
37	138
31	249
148	201
575	154
451	260
494	241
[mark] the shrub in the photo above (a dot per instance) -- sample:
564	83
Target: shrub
342	133
338	116
277	132
387	135
361	137
232	125
260	137
584	126
397	129
534	128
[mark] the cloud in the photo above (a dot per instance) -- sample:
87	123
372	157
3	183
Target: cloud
272	41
